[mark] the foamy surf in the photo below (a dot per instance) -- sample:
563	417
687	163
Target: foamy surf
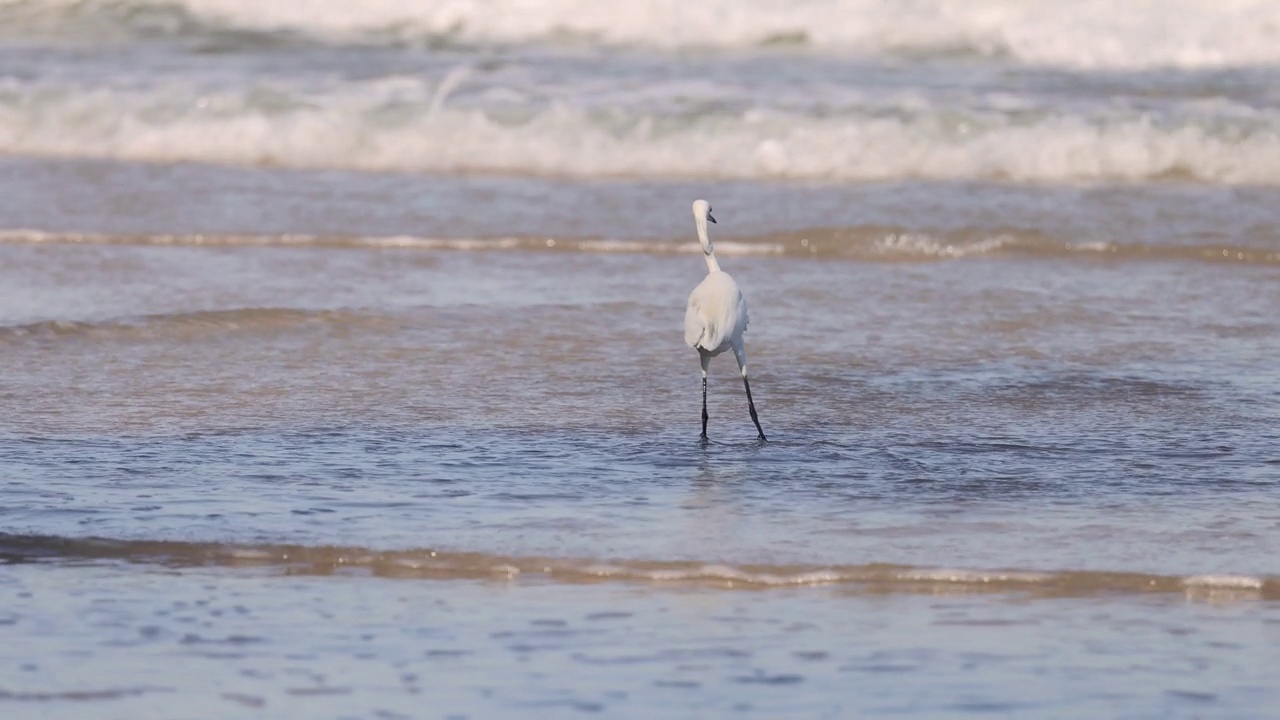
867	244
406	125
390	242
429	564
189	325
1089	34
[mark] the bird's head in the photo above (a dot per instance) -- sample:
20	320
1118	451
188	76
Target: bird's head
702	210
701	214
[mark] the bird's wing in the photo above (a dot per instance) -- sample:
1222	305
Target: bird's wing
693	328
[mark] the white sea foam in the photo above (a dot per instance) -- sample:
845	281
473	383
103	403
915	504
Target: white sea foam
352	127
971	577
1087	33
724	247
1226	582
718	573
914	245
853	243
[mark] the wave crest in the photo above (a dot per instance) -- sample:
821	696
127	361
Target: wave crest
188	323
868	243
1085	34
427	564
403	125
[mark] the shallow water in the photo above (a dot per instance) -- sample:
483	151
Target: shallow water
342	368
1043	450
237	643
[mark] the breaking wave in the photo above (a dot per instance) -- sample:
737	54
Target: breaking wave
868	244
429	564
191	323
404	124
1086	34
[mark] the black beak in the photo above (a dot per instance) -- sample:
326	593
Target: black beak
711	218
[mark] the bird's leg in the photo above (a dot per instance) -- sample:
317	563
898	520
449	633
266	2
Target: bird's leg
706	360
704	406
741	357
751	406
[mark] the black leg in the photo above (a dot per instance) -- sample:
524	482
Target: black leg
704	406
751	405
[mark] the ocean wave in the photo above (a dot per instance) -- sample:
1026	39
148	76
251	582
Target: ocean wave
1086	34
198	322
404	124
431	564
872	243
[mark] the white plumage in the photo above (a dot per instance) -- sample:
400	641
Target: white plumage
716	316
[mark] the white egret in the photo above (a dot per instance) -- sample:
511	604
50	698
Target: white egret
716	316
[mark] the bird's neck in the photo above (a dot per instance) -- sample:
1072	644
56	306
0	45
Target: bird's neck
705	242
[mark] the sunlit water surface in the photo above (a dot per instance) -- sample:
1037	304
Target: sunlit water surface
341	370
